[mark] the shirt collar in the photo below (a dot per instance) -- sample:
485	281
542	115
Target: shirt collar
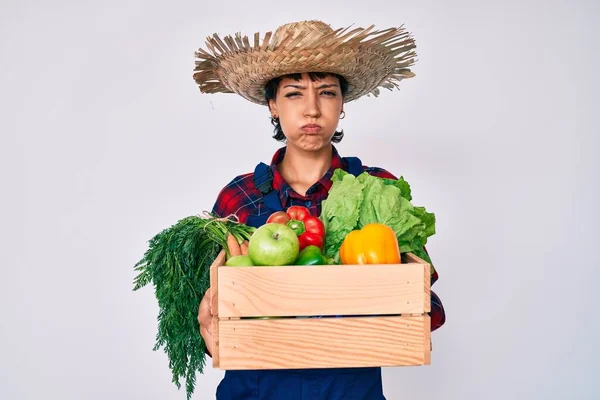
285	190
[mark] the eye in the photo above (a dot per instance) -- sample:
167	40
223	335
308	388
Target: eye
292	94
329	93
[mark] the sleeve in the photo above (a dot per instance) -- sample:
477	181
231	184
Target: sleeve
235	198
437	314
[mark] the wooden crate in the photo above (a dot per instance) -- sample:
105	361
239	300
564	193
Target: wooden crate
329	316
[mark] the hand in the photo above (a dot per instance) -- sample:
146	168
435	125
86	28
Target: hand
205	321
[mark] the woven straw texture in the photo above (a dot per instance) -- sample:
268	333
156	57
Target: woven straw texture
367	58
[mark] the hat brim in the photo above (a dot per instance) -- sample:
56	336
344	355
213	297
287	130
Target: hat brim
367	59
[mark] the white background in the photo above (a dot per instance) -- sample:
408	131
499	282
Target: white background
106	140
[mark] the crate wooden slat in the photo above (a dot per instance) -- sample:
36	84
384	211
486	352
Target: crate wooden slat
214	282
323	342
381	315
215	336
323	290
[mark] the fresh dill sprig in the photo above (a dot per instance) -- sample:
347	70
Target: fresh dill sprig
177	263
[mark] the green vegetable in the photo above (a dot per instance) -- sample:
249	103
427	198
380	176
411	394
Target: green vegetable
340	211
354	202
310	255
177	263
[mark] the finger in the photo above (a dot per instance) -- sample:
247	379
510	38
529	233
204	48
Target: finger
205	299
208	342
205	319
206	334
201	311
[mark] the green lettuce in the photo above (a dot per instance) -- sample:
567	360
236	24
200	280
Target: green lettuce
401	184
354	202
341	213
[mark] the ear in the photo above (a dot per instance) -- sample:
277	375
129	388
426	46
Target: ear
273	107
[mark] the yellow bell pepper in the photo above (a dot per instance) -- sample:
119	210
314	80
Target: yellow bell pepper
375	243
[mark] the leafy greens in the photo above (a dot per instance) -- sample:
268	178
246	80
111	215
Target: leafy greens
354	202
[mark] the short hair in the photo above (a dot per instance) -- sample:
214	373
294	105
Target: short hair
271	94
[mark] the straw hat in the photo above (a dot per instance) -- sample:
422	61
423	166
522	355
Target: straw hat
367	59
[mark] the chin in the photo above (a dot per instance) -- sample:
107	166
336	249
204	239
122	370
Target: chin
313	143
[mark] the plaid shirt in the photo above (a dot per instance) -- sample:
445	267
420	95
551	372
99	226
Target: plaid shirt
241	198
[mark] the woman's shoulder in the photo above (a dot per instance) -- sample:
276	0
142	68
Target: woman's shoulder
379	172
237	197
243	180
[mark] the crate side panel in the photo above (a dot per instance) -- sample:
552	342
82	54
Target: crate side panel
214	282
321	290
215	341
322	342
427	339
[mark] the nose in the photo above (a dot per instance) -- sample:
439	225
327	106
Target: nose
312	108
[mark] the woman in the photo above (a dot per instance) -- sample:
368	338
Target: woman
305	106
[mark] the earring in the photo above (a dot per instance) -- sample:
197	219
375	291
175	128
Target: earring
342	114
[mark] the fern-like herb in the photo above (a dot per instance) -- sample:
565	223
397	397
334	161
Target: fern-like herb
177	263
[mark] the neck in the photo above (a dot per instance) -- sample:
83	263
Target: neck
305	167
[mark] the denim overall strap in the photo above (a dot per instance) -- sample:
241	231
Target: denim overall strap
263	179
355	166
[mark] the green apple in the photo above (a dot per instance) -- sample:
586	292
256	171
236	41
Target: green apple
239	261
273	244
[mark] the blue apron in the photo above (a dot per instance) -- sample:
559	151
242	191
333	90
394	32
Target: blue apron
298	384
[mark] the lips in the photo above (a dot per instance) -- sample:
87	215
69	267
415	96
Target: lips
311	128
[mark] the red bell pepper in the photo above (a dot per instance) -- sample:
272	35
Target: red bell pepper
310	229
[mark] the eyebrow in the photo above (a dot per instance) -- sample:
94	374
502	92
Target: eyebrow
325	85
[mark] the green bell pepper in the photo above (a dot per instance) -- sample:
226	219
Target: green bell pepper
311	255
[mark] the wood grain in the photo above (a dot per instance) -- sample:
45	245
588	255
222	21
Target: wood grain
323	342
215	348
214	279
426	289
322	290
427	339
385	321
412	258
